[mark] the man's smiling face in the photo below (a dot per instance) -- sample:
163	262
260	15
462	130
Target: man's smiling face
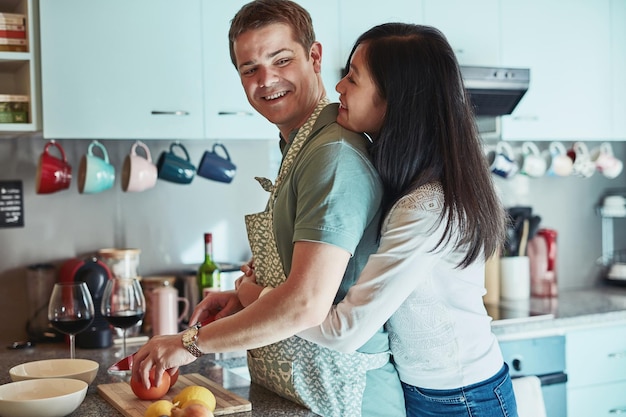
280	78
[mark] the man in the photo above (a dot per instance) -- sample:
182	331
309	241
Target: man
312	241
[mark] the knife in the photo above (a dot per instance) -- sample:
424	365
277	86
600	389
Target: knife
126	363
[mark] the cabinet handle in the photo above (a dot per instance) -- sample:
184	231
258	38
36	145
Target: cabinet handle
528	118
171	113
617	355
235	113
617	411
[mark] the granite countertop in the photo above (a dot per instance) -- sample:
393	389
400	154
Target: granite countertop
264	403
574	309
571	310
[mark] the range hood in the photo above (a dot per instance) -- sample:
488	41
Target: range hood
495	91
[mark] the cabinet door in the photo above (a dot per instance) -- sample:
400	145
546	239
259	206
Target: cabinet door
618	65
115	69
227	111
472	28
606	400
566	45
596	356
357	16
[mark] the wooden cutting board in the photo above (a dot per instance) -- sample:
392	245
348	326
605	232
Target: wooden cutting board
124	400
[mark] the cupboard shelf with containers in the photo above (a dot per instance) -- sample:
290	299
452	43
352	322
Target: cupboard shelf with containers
19	71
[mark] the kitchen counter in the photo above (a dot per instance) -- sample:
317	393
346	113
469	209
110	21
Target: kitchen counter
264	403
572	310
592	307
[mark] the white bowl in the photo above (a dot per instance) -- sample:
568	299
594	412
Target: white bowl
82	369
52	397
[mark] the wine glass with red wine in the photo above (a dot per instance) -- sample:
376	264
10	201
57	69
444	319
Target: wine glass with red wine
123	304
70	310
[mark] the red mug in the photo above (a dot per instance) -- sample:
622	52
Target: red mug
53	174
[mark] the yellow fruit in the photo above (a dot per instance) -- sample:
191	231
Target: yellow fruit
195	393
195	401
159	408
193	410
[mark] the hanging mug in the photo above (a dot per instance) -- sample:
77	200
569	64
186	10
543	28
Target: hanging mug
605	162
138	173
174	168
559	164
502	160
582	165
53	174
533	164
217	167
95	174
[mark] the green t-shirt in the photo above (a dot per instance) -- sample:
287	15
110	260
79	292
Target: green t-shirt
332	194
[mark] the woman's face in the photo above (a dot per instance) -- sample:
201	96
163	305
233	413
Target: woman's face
361	109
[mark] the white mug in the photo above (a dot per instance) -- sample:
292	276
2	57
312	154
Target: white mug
502	160
605	162
514	278
559	164
533	164
582	164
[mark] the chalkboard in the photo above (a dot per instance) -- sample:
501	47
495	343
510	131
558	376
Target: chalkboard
11	204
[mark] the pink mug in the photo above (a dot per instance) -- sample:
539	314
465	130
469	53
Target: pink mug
138	173
605	161
165	318
53	174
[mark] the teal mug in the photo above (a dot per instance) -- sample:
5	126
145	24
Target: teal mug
217	167
174	168
95	174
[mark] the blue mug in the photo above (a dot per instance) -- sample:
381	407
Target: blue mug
174	168
216	167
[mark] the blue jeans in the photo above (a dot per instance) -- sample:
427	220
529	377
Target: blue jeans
493	397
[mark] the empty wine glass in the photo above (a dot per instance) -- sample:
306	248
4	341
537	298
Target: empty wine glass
70	310
123	304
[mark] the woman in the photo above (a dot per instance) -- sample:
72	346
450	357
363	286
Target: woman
442	220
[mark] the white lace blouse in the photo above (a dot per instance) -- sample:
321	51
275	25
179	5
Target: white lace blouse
439	330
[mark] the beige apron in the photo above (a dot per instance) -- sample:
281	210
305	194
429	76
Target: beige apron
328	382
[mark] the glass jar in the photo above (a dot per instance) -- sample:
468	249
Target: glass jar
122	263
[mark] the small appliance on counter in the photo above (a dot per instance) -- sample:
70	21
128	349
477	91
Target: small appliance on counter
611	208
95	274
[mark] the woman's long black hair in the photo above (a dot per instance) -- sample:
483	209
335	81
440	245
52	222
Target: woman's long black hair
429	134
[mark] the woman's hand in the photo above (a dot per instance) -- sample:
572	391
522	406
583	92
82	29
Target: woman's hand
215	305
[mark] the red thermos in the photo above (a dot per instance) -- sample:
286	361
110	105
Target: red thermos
542	252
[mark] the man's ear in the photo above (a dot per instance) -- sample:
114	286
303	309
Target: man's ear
316	56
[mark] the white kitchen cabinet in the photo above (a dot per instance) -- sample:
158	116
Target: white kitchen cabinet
596	368
472	28
228	114
358	16
19	71
618	68
566	45
114	69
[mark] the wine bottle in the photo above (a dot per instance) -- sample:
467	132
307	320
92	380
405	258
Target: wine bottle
208	272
